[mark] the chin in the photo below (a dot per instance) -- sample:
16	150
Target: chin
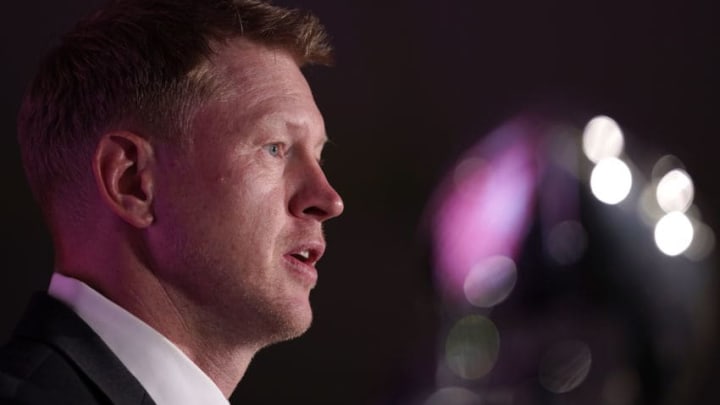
300	324
288	331
289	324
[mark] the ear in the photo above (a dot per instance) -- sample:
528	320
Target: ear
122	166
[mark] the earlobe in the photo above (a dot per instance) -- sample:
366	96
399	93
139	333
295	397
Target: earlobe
122	166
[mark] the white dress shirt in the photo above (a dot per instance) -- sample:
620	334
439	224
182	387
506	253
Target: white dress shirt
166	373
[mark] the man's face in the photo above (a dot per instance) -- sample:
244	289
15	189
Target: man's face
239	214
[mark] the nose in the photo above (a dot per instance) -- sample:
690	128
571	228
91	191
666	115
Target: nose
315	198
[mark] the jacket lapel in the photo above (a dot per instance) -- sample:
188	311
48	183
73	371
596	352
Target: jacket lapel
51	321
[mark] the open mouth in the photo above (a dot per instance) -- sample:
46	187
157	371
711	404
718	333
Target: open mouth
303	256
308	254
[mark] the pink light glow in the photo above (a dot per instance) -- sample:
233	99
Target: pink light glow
486	211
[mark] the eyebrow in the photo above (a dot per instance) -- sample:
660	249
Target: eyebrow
274	118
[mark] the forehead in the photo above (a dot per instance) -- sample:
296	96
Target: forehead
258	85
252	72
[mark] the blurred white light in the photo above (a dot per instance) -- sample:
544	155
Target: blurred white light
453	396
648	208
703	242
664	165
674	233
611	181
490	281
602	139
565	366
675	191
472	347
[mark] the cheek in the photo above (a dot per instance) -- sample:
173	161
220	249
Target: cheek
226	202
253	188
249	210
245	198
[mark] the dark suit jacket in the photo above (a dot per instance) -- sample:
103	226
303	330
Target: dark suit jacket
55	358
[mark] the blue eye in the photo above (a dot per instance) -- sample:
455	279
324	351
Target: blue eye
274	149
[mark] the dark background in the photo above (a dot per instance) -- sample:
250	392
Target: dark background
416	83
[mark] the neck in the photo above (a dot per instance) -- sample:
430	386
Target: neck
221	357
225	369
124	275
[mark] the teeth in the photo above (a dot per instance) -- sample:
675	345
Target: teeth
305	254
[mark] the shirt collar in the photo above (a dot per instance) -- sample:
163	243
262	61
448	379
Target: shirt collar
165	372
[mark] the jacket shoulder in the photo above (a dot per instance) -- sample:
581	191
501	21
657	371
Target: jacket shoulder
32	372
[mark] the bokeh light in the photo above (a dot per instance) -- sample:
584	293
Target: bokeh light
674	233
703	243
472	347
675	191
565	366
566	242
490	281
664	165
602	139
485	208
466	168
648	209
453	396
523	198
611	181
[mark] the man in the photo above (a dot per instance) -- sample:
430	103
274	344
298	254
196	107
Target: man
174	148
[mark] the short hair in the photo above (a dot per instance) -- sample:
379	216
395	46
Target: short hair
140	65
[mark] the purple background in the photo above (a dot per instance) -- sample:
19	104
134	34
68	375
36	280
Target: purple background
416	83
